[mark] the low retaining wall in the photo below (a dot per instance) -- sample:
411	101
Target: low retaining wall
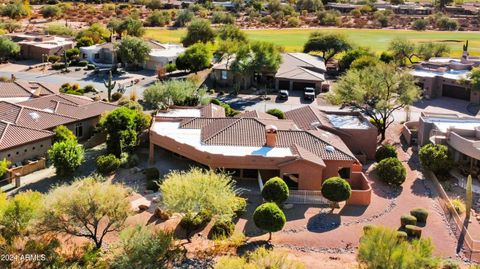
407	133
361	190
472	245
26	169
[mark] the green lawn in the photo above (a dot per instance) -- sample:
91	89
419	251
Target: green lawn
377	40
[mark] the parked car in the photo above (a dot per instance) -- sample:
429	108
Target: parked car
309	93
283	94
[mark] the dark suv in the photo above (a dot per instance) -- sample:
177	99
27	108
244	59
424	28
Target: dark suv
283	94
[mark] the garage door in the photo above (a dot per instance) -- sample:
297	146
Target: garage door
284	85
456	92
300	86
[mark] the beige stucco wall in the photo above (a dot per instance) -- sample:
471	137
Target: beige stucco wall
27	151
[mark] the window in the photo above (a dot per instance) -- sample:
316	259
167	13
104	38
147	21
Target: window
224	75
9	155
79	129
33	148
25	150
17	152
41	145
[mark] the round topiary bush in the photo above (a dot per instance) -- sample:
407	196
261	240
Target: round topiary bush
277	113
336	189
269	217
420	213
435	158
391	171
107	164
402	235
275	190
222	229
408	220
413	231
385	151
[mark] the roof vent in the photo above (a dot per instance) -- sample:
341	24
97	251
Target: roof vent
329	148
315	124
34	116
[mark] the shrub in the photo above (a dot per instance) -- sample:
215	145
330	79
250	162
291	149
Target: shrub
385	151
191	222
53	58
4	164
82	63
170	67
420	213
269	217
450	264
408	220
242	207
420	24
413	231
152	185
386	57
50	11
107	164
222	229
66	156
458	205
402	235
329	17
435	158
391	171
152	173
62	133
368	228
277	113
336	189
275	190
447	24
116	96
58	66
89	88
293	22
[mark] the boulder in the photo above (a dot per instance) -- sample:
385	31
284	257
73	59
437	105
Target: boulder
161	214
143	207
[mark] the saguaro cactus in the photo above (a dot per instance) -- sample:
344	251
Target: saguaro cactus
469	197
109	85
65	59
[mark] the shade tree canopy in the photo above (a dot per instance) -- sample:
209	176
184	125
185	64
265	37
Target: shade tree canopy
199	30
377	91
327	44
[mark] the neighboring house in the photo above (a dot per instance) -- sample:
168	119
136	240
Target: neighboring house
162	54
297	71
99	54
34	47
103	55
352	127
253	145
19	91
460	134
38	117
446	77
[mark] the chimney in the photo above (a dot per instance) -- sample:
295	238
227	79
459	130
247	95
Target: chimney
271	136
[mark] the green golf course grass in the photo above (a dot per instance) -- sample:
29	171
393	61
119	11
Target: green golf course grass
376	39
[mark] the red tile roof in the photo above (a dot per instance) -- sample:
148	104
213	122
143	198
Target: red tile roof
25	89
31	117
251	132
255	114
308	118
12	135
212	111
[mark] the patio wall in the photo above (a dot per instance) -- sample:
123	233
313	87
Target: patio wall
407	131
361	190
26	169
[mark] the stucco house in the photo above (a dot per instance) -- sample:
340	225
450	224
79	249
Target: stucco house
297	71
103	55
443	76
253	145
36	118
35	46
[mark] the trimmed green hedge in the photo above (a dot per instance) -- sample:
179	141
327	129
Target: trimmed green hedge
420	213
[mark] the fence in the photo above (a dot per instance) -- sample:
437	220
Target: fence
307	197
471	245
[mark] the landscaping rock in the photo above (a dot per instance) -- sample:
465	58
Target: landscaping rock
143	207
161	214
